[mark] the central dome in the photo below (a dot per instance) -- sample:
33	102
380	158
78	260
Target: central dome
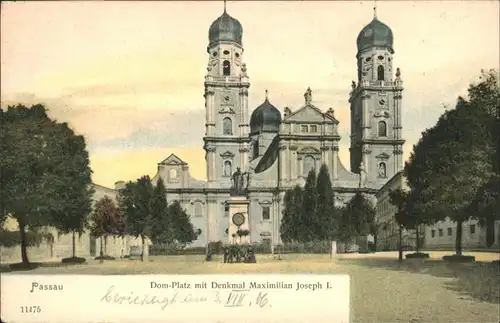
225	28
266	118
376	33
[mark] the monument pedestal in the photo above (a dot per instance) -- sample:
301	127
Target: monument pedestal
238	219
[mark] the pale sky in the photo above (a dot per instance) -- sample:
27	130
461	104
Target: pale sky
129	75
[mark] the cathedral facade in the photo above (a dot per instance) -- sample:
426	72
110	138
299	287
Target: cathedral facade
276	150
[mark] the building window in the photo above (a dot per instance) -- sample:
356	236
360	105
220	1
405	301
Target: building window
198	209
172	174
226	68
266	242
450	231
440	232
309	164
227	126
314	128
380	73
265	213
433	233
303	128
226	210
227	169
255	149
382	129
472	228
382	170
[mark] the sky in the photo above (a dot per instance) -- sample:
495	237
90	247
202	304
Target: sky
129	75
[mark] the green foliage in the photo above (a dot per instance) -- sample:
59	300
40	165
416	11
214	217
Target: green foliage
106	218
45	172
182	229
453	169
325	220
358	217
291	214
161	226
13	238
306	231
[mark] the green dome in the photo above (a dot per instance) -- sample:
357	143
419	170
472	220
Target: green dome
376	33
266	118
225	28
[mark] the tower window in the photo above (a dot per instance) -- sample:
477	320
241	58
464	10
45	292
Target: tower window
226	52
226	68
303	128
237	55
227	126
214	54
382	170
382	129
198	209
368	59
255	149
309	165
226	210
380	57
265	213
380	73
227	169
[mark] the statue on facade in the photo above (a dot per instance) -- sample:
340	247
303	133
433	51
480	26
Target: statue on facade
287	111
330	112
362	175
227	168
308	96
238	186
353	85
398	73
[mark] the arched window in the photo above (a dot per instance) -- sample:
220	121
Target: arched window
382	129
227	168
226	68
382	170
309	164
198	209
227	126
380	73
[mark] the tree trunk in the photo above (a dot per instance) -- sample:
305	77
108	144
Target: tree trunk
458	241
24	253
106	244
142	251
400	244
74	245
417	234
101	252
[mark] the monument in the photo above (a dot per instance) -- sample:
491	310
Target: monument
238	208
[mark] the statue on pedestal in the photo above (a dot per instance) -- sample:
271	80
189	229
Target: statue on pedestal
239	182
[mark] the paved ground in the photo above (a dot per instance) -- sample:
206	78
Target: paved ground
382	289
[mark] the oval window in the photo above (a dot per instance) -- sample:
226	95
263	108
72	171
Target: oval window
237	55
214	54
368	59
226	52
381	57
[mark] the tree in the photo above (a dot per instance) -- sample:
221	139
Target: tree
306	221
72	183
135	204
161	226
182	228
454	160
105	220
40	158
291	214
358	217
325	206
399	199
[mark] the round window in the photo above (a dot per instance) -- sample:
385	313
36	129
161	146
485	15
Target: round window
226	52
237	55
368	59
214	54
238	219
381	57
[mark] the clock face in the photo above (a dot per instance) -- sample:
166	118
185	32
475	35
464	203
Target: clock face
238	219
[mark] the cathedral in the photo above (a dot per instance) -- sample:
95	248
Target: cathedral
275	150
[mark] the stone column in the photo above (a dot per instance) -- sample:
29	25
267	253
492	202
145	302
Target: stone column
282	162
335	154
293	161
211	219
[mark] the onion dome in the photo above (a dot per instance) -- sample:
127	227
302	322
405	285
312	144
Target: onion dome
266	118
376	33
225	29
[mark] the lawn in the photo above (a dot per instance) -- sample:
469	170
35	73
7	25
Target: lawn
382	289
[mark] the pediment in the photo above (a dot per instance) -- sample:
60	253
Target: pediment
227	154
172	160
383	156
226	110
308	113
